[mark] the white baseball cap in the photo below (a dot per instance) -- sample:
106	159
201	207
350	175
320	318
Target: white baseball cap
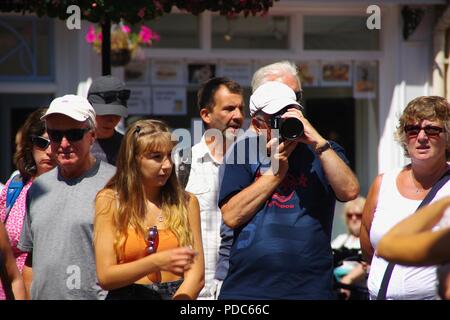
75	107
271	97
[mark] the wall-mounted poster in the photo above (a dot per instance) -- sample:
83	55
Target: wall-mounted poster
365	80
309	73
336	74
140	100
167	72
137	72
169	101
239	71
200	72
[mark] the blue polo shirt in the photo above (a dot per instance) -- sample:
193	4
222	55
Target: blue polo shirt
283	251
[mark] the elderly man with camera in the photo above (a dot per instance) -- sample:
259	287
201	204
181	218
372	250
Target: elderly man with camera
279	183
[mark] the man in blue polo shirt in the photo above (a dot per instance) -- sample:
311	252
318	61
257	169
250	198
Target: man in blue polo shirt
281	205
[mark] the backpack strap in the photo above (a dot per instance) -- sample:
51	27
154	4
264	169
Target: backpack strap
14	189
390	267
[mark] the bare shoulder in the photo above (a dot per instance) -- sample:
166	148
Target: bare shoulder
105	202
191	200
106	194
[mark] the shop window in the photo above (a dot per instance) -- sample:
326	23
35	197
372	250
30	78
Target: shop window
26	52
339	33
176	31
269	32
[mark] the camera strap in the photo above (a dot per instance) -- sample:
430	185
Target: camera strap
390	268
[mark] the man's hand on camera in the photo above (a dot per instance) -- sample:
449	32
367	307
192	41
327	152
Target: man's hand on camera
280	153
310	135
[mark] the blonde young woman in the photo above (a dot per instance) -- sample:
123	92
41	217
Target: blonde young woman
147	234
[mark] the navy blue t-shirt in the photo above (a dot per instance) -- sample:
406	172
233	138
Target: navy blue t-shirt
283	251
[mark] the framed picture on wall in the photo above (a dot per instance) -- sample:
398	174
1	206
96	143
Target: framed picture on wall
170	72
137	72
309	72
200	72
336	74
140	100
365	79
239	71
169	101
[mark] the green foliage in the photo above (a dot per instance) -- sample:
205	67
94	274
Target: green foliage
133	11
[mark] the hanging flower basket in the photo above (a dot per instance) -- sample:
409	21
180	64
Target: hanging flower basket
120	57
124	42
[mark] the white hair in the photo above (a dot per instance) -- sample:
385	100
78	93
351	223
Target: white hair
274	70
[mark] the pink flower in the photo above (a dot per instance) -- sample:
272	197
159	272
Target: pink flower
100	36
141	13
125	28
155	36
90	36
145	35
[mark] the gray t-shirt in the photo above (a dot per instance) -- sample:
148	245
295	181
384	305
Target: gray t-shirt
58	229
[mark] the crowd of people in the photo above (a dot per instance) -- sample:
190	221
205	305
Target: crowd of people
243	214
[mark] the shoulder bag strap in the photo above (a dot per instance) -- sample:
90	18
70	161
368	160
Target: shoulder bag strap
14	189
387	274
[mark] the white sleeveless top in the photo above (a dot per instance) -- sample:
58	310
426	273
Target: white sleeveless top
406	283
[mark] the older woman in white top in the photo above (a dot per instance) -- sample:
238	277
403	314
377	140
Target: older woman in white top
424	133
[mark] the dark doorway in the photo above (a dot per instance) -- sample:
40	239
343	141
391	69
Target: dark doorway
334	119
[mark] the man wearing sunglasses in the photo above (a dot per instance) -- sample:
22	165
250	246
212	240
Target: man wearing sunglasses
58	226
281	207
109	97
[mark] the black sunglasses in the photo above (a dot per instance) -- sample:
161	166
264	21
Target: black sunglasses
413	130
152	240
72	134
40	142
111	96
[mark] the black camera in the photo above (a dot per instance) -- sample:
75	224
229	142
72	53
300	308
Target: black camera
290	128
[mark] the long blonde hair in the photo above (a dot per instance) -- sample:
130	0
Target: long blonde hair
142	137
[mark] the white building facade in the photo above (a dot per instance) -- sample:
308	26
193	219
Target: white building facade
357	75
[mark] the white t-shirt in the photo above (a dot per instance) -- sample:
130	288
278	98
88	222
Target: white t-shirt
406	283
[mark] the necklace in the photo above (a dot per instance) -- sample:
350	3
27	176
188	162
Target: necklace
418	189
151	207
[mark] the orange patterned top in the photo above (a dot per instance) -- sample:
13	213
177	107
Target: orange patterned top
134	249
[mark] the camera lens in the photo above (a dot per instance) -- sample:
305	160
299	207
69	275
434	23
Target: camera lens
291	128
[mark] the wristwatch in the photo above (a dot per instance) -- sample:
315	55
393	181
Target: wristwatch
323	148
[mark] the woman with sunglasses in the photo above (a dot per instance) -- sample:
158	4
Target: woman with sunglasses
32	158
349	270
424	134
147	234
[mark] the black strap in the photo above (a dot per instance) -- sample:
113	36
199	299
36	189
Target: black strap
388	273
184	168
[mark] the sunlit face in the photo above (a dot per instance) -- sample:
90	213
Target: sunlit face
70	155
155	167
106	125
423	146
227	114
42	156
